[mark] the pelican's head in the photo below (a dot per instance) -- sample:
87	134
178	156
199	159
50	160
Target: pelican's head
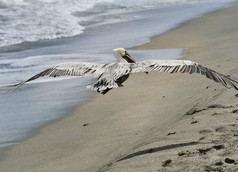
122	55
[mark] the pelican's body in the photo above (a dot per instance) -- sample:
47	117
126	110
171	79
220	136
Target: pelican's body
112	75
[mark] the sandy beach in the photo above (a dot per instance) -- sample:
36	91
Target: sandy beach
157	122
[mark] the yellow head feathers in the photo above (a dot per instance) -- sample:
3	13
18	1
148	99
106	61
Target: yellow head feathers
122	51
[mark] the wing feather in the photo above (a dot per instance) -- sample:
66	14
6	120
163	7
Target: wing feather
183	66
71	69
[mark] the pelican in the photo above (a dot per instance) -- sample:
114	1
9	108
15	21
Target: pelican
112	75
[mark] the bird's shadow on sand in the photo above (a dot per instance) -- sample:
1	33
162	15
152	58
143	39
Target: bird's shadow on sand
157	149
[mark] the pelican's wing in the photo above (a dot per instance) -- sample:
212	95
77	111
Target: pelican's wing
71	69
183	66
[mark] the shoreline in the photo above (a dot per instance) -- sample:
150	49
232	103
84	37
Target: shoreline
131	113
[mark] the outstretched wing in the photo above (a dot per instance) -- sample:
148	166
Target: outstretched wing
71	69
116	73
110	76
183	66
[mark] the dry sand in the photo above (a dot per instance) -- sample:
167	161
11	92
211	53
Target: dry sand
157	122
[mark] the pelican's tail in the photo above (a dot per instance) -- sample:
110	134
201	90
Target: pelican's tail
103	87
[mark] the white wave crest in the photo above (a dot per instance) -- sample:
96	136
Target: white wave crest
33	20
25	20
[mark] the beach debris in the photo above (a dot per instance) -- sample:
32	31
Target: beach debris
229	161
194	122
171	133
235	111
201	138
86	124
166	163
235	135
204	151
219	163
218	147
163	97
109	164
151	150
182	153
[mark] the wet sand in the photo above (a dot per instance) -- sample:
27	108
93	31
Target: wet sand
157	122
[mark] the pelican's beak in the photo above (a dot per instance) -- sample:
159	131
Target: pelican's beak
128	58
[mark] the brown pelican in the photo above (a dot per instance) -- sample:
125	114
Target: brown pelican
112	75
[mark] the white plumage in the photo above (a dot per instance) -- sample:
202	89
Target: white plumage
112	75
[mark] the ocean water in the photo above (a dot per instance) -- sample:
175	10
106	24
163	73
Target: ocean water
35	35
32	20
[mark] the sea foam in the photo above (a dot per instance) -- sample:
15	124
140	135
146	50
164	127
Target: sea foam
27	21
